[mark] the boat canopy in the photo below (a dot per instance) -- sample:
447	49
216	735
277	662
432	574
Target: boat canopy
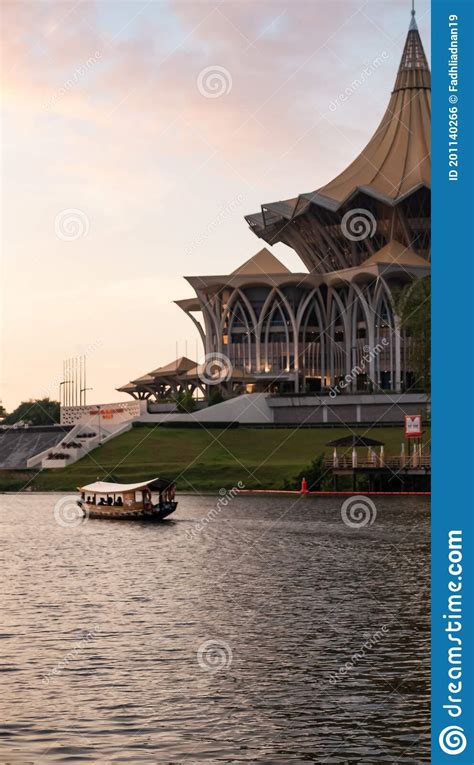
103	487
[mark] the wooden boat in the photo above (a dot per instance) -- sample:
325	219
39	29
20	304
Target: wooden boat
145	501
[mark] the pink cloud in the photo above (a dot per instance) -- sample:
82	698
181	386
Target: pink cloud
279	73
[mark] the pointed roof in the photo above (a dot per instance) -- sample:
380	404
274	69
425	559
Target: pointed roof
127	388
177	367
413	71
397	158
262	262
394	163
396	253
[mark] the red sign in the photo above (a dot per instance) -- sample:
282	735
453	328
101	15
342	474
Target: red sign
107	414
412	425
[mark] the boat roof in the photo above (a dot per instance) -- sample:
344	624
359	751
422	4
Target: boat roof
104	487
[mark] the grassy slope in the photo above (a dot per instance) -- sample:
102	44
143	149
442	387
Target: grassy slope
205	460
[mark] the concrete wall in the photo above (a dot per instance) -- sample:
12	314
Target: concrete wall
247	409
109	415
261	409
353	409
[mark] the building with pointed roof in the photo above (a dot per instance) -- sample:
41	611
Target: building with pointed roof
362	237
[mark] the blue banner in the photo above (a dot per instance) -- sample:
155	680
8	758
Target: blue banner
453	380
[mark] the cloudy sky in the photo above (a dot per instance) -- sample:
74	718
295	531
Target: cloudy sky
137	134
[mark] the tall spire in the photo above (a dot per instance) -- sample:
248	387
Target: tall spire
413	71
413	25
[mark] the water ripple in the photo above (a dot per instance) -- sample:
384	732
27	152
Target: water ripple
271	635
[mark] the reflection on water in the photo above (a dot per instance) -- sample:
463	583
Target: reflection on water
276	633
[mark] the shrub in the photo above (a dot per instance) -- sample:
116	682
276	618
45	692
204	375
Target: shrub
316	476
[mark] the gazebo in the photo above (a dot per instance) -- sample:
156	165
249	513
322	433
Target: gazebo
353	442
165	382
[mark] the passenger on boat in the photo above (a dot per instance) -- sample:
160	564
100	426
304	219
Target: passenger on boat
169	494
110	501
119	502
102	501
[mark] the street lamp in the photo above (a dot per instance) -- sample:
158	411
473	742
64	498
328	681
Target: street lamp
99	411
81	391
64	382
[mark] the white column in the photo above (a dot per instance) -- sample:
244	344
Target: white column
398	357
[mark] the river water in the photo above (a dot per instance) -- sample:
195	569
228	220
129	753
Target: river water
270	632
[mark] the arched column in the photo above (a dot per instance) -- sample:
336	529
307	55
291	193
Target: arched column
383	299
313	302
337	307
291	317
238	298
358	301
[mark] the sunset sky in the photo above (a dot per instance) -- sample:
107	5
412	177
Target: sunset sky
109	111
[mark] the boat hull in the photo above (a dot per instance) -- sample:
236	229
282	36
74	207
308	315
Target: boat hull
114	513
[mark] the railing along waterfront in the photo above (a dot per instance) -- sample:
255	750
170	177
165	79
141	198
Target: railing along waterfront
409	462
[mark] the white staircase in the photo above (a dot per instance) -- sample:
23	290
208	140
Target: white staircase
78	442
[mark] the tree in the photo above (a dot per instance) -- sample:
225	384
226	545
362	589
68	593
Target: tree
215	397
34	412
413	307
185	402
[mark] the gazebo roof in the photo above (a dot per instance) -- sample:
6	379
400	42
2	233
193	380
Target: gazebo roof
176	367
127	388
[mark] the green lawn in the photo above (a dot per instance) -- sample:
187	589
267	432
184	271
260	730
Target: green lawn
200	459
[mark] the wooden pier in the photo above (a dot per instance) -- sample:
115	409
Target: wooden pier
405	472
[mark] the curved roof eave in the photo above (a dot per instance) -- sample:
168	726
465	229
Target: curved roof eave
333	205
320	200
